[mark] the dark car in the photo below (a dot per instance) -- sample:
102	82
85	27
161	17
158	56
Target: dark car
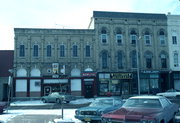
143	109
58	97
3	106
99	106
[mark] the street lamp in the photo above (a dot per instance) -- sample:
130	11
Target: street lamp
137	57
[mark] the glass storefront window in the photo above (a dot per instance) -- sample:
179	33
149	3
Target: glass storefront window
103	88
144	85
147	85
115	87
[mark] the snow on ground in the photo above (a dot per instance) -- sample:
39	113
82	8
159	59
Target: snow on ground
39	102
68	113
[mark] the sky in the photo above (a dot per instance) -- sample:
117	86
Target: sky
68	14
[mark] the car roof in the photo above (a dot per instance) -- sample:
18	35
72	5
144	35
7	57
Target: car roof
113	97
146	97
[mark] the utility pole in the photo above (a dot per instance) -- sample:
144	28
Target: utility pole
137	57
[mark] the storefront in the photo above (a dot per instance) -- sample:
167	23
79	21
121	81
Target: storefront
115	83
89	84
175	80
149	82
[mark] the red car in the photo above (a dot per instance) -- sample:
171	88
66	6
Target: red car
3	106
143	109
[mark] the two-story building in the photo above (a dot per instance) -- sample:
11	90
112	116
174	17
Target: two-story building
122	53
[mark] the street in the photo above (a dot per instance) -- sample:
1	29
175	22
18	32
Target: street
47	113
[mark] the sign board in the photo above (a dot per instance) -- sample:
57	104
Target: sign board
55	68
88	74
121	75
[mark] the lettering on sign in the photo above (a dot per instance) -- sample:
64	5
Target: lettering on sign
121	76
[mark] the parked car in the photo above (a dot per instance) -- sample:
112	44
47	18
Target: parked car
170	93
99	106
143	109
3	106
58	97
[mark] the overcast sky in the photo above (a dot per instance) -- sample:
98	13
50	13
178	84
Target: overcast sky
73	14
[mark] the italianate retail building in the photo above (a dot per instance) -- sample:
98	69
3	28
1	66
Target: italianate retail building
122	53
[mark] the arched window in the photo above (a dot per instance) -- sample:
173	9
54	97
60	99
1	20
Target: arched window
75	72
104	60
62	50
133	37
88	51
119	37
148	59
163	61
147	38
120	60
35	51
48	50
103	36
22	51
134	59
162	37
75	50
174	38
21	72
176	60
35	73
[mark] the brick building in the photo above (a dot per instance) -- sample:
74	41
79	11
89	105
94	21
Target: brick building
91	62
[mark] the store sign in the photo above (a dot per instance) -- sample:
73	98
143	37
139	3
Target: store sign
147	71
121	75
55	68
88	74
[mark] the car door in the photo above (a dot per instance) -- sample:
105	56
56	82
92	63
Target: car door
168	113
51	97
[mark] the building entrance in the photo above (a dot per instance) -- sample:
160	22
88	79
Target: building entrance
88	89
125	88
47	90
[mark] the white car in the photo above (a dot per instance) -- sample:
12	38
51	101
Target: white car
170	93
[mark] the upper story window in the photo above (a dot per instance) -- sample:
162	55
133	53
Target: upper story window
120	60
174	40
133	37
162	38
148	59
147	38
163	61
134	59
62	51
104	60
35	50
88	51
119	37
49	51
176	59
75	50
22	51
104	36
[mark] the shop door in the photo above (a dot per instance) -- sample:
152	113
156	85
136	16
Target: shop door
47	90
125	88
88	88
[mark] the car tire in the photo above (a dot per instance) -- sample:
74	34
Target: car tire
58	101
44	101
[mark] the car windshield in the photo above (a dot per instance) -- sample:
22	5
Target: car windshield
102	102
173	90
146	103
